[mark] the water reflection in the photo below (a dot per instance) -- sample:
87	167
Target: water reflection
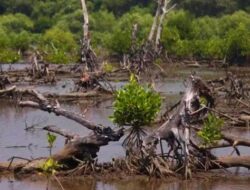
133	184
33	143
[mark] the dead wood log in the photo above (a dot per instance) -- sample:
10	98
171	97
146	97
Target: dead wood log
58	131
235	141
59	111
230	161
12	91
78	147
4	81
176	130
8	90
93	80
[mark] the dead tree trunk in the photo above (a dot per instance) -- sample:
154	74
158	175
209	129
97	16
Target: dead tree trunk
180	132
157	46
88	56
140	59
154	25
176	130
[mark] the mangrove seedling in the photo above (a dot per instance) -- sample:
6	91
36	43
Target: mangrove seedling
135	106
211	131
50	166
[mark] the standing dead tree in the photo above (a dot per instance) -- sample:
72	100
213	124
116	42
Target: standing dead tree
176	130
180	133
90	74
39	68
88	56
140	59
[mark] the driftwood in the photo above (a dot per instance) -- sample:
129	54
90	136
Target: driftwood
13	92
180	133
93	80
77	148
176	130
4	81
40	69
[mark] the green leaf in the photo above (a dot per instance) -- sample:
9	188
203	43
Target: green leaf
135	105
51	139
50	166
211	131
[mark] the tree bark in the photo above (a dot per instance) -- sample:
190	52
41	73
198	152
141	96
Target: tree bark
231	161
159	27
85	27
88	56
156	18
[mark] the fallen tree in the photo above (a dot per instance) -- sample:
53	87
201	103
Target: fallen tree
77	148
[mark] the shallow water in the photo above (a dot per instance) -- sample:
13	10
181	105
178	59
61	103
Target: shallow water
61	87
132	184
16	141
13	67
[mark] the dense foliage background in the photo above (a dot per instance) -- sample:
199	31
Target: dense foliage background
196	28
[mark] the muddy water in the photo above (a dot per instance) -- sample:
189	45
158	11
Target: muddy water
16	141
135	184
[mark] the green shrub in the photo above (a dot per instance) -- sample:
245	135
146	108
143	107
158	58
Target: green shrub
58	57
182	21
8	56
215	48
211	131
4	39
60	46
120	41
238	42
21	41
59	39
135	105
42	24
16	23
107	67
102	21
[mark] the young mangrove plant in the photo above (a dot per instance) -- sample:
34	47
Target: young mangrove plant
211	131
135	106
50	166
